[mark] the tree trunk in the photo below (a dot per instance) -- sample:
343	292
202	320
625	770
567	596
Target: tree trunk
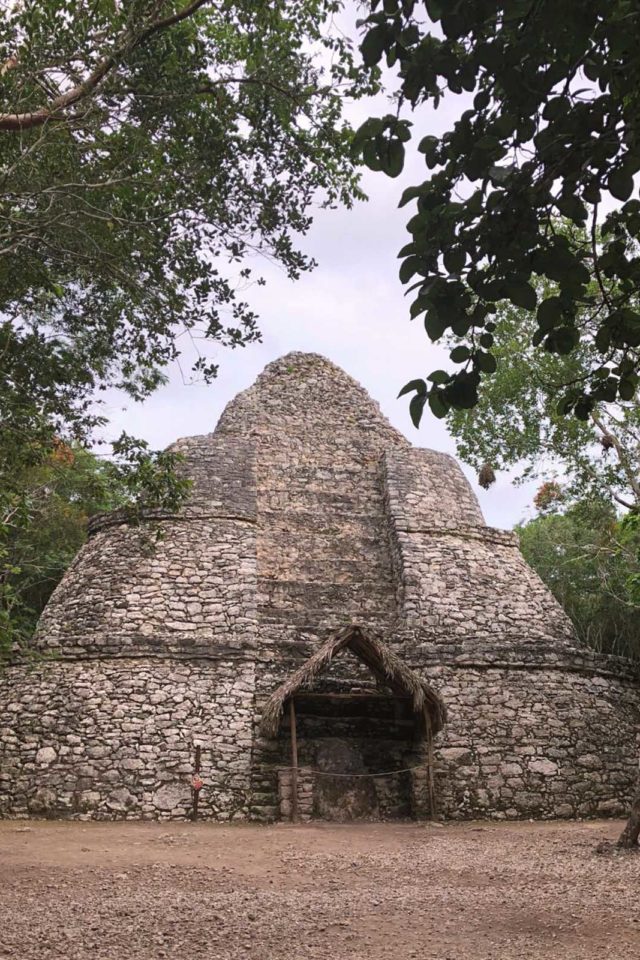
629	836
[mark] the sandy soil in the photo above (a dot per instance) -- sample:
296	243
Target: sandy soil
135	891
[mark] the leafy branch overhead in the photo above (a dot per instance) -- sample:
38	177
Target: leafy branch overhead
550	131
150	153
516	425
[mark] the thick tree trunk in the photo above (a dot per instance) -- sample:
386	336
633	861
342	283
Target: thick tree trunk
629	836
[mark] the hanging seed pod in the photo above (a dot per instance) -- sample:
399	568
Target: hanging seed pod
486	476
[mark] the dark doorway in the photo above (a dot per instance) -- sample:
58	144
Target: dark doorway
360	748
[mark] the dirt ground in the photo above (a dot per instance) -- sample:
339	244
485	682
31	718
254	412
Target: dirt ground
136	891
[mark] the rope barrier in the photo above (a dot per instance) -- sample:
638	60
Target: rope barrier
352	776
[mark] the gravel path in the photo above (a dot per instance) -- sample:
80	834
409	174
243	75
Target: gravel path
132	891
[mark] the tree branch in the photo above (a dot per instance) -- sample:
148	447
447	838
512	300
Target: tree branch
627	467
24	121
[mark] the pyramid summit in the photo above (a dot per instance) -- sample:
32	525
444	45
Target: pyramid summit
324	571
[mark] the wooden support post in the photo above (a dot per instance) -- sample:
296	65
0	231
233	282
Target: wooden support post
294	762
430	777
195	790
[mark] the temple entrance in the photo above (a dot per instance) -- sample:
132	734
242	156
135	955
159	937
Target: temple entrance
355	748
360	747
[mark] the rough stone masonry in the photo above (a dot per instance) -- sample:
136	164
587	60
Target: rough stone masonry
308	512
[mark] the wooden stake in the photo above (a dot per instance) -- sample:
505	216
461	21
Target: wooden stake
196	793
430	761
294	762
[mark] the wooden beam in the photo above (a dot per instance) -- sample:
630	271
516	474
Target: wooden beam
294	762
195	790
430	772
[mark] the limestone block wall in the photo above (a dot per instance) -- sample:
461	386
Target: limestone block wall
426	487
116	740
524	738
323	551
180	584
304	793
186	586
536	743
456	578
222	470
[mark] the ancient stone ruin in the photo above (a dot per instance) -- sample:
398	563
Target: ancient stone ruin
327	584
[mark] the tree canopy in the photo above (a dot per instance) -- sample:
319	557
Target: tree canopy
517	426
549	127
46	529
150	151
590	560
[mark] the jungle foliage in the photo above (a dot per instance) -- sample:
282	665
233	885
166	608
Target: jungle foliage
589	557
148	151
549	128
45	531
517	426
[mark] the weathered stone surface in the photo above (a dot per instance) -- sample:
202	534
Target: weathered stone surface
309	511
546	767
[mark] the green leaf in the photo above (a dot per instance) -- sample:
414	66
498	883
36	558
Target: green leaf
504	125
487	144
371	156
627	389
428	144
485	362
419	305
438	406
439	377
591	193
416	408
435	9
549	313
562	341
408	250
392	158
521	294
411	193
371	128
460	354
582	409
454	260
373	45
462	394
602	339
565	405
620	184
419	386
556	107
435	325
409	268
573	208
461	326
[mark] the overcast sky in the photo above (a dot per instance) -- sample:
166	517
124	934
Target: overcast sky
351	309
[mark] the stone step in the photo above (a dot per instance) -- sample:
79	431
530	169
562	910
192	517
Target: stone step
317	594
371	569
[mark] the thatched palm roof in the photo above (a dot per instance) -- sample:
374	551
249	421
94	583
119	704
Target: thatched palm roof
382	662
